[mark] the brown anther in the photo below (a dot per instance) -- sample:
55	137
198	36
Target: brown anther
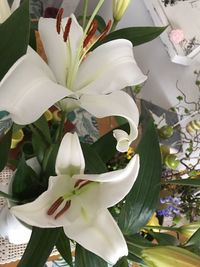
59	19
67	29
91	33
106	30
55	206
85	183
66	207
78	182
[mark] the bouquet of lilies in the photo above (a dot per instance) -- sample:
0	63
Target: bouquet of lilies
62	191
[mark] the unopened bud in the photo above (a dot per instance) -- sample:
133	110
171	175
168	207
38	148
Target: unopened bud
166	131
168	256
189	229
119	8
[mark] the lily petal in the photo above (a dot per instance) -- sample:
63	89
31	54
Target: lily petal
15	5
35	213
70	158
113	186
4	10
28	89
11	228
108	68
60	55
102	236
117	103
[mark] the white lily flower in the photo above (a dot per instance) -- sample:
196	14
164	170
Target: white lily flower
10	227
91	81
5	10
79	202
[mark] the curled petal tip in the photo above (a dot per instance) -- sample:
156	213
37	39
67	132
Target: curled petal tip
123	140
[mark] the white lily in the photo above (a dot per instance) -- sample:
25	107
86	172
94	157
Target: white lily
5	10
79	202
10	227
91	81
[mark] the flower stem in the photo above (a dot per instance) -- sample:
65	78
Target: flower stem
85	10
114	25
61	126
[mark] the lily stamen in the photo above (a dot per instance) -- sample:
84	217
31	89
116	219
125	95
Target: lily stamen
55	206
67	29
106	30
63	210
59	19
91	33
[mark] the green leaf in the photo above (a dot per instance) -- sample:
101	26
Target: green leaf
136	243
122	263
25	183
63	247
165	239
85	258
14	34
5	143
93	162
105	146
190	182
48	164
42	126
8	196
137	35
39	247
142	200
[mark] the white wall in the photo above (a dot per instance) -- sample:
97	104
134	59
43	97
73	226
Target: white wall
152	57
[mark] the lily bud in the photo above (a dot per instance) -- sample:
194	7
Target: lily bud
119	8
189	229
168	256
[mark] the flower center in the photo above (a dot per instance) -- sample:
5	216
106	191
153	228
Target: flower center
79	187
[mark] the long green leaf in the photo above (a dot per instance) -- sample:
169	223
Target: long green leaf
26	183
165	239
122	263
137	35
85	258
94	163
42	125
39	247
5	143
142	200
14	40
190	182
63	247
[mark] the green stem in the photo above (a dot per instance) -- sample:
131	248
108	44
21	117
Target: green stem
85	10
61	127
114	25
147	227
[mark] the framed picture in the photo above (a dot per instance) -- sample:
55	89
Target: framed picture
182	36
